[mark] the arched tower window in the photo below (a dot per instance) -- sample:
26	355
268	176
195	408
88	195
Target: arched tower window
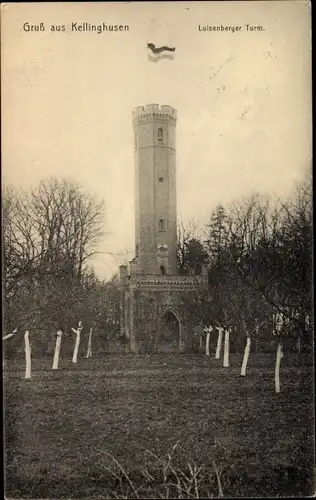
162	270
160	134
161	225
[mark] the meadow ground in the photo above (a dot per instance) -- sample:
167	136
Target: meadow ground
65	429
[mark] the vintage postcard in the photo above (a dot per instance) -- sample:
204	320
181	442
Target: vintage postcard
157	249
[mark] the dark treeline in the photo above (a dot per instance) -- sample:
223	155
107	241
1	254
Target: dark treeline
258	252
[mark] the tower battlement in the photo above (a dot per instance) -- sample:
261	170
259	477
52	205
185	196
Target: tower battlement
159	111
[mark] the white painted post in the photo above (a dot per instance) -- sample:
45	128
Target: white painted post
76	349
57	350
27	355
219	342
207	345
245	360
277	367
89	351
226	349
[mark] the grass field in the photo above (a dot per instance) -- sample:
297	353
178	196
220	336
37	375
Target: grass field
65	430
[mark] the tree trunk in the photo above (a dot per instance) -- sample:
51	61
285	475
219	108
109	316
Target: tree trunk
257	338
219	342
89	351
27	354
245	360
207	345
226	349
277	368
8	336
57	350
298	345
76	349
201	342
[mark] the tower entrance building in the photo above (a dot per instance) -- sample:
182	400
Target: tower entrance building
153	312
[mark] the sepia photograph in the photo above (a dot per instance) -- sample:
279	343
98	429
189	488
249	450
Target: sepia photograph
157	311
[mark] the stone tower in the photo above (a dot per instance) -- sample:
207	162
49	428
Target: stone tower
155	189
153	309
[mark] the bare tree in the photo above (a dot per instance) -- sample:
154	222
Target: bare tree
49	236
275	246
69	224
259	264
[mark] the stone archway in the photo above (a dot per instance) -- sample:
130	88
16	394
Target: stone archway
169	331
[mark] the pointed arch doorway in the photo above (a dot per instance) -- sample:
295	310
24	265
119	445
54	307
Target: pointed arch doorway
169	332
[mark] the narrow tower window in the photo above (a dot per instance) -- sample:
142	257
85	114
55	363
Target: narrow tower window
160	134
161	225
135	136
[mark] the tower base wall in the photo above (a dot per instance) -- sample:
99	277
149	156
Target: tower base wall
155	316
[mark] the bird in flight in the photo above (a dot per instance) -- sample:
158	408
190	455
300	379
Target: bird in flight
158	50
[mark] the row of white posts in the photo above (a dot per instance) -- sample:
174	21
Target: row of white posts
278	321
28	362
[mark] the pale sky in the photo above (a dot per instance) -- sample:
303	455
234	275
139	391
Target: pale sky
243	101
